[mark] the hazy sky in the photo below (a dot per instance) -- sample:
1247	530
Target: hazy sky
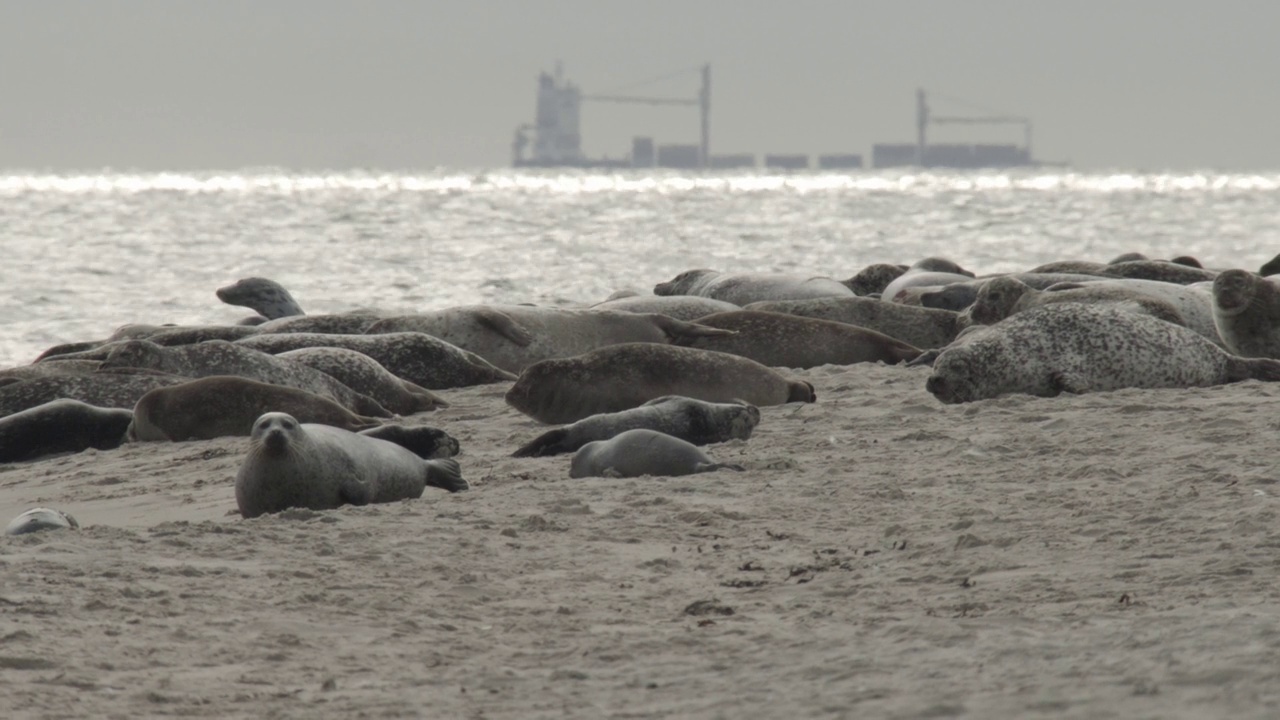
396	84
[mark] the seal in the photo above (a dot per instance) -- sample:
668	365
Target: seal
959	296
781	340
743	288
513	337
1270	267
940	264
106	389
426	442
37	519
621	377
417	357
302	465
364	375
226	405
1246	312
695	421
49	368
60	426
1160	270
1193	302
919	326
1003	296
897	289
1074	348
642	452
352	323
266	297
681	307
873	279
219	357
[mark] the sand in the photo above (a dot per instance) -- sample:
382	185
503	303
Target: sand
1095	556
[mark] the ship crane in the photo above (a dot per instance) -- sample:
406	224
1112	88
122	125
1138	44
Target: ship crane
703	102
924	117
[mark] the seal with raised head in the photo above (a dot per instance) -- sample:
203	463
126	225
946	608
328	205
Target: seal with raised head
621	377
417	357
514	337
642	452
366	376
1246	311
302	465
1001	297
226	405
37	519
61	426
681	307
912	324
266	297
743	288
782	340
695	421
1076	348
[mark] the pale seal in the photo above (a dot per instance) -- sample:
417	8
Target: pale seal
37	519
695	421
107	389
225	405
417	357
681	307
218	357
912	324
897	290
792	341
1004	296
1077	348
366	376
266	297
61	426
743	288
642	452
513	337
1246	311
621	377
302	465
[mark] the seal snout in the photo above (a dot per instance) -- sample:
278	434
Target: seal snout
275	439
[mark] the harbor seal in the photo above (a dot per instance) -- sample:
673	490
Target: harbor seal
872	279
104	389
1246	311
695	421
642	452
1270	267
513	337
959	296
897	290
1076	348
61	426
743	288
426	442
1193	302
266	297
1004	296
912	324
353	323
49	368
226	405
681	307
366	376
621	377
292	464
417	357
219	357
781	340
37	519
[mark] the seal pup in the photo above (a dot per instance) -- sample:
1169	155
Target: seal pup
1076	348
364	375
219	357
743	288
642	452
781	340
1004	296
621	377
1246	311
266	297
59	426
417	357
514	337
37	519
681	307
695	421
226	405
104	389
919	326
292	464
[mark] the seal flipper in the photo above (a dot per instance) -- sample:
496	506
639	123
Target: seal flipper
446	474
353	491
1060	382
502	324
680	332
548	443
1264	369
925	358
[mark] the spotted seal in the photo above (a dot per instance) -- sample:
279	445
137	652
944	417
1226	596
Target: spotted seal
695	421
781	340
1246	311
266	297
37	519
61	426
642	452
105	389
872	279
621	377
1001	297
681	307
352	323
366	376
912	324
743	288
303	465
1076	348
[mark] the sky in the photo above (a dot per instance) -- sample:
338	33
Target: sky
415	84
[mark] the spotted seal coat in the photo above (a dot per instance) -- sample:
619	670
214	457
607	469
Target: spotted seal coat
1004	296
919	326
366	376
266	297
1246	312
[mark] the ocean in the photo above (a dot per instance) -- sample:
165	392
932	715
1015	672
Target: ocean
86	253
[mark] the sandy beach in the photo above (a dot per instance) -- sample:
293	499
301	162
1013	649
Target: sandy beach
884	555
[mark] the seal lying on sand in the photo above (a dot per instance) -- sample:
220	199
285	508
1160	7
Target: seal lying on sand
1077	348
1246	311
224	405
781	340
695	421
743	288
622	377
353	323
37	519
61	426
367	377
119	388
642	452
1004	296
292	464
681	307
267	297
918	326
